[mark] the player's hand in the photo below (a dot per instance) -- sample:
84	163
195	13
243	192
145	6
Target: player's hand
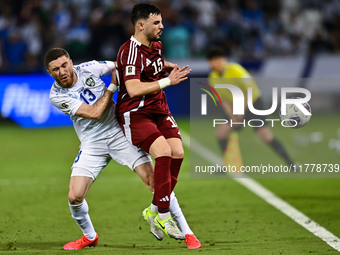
178	75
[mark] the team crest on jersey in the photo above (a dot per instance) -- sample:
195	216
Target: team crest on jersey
130	70
65	105
90	82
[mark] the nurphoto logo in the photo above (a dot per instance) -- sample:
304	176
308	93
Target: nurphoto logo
238	104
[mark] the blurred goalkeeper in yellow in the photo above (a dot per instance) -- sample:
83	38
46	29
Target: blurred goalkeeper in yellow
239	77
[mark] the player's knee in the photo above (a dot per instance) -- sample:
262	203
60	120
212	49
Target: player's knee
165	151
75	199
178	153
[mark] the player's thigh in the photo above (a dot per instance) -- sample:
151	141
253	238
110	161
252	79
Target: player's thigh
160	148
140	129
169	129
91	160
125	153
167	125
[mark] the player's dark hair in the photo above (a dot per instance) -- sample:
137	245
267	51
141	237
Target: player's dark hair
216	52
143	11
54	54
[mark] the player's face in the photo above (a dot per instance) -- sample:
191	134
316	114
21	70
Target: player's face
61	70
217	64
153	27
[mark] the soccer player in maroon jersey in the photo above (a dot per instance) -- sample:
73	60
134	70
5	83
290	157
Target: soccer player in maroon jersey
143	112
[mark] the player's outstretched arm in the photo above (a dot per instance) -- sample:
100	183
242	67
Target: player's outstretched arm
136	88
96	110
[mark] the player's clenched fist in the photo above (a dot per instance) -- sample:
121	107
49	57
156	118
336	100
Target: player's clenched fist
178	75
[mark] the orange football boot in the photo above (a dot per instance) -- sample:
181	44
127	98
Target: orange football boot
192	242
81	243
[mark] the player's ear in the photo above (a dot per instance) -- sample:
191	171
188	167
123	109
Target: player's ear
140	25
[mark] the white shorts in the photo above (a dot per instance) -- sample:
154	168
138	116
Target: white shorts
93	158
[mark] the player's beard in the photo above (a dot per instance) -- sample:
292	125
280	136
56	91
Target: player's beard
68	83
154	37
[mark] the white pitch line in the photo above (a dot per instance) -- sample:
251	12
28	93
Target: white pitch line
267	195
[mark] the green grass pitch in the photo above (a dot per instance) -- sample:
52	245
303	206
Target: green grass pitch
226	217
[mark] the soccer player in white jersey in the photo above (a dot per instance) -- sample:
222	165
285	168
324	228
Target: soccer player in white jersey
79	92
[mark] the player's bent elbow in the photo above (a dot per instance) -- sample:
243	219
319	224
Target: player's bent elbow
133	88
97	116
134	94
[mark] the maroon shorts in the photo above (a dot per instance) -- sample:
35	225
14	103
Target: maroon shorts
142	128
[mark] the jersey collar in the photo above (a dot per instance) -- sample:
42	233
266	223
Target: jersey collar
135	40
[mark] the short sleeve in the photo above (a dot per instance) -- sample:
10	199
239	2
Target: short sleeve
66	104
97	68
131	63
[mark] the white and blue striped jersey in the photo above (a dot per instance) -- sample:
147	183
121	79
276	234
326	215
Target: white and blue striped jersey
88	89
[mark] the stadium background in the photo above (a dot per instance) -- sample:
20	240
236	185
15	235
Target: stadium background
274	40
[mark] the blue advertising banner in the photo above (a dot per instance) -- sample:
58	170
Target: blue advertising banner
25	100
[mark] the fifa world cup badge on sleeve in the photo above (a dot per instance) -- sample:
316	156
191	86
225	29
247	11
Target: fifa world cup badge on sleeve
130	70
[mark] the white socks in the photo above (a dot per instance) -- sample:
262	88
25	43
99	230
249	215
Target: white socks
177	214
154	208
81	216
164	216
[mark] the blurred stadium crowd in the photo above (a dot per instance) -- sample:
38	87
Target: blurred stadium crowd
95	29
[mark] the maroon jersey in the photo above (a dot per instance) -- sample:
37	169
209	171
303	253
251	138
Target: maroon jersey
137	61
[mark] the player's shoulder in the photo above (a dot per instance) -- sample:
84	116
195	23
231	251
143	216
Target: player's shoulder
125	46
129	52
87	66
235	67
129	45
56	91
213	74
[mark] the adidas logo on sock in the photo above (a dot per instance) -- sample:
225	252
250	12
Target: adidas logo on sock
165	199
